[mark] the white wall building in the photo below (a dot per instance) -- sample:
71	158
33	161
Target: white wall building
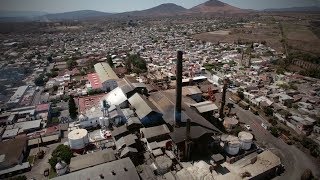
107	76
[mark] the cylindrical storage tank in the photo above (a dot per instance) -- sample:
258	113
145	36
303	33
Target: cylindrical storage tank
101	121
164	164
106	122
78	139
231	144
230	123
245	140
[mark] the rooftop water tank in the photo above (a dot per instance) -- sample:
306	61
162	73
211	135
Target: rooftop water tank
245	140
78	139
231	144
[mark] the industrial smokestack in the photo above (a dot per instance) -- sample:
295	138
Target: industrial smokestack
178	88
223	100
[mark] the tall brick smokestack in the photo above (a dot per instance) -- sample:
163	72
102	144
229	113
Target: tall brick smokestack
223	101
178	88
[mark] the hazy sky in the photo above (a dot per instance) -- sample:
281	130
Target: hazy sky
130	5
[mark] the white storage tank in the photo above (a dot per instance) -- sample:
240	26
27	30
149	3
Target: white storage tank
245	140
78	139
103	122
231	144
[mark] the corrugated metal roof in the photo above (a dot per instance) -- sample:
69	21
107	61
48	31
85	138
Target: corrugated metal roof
191	90
155	131
115	98
105	72
91	159
122	169
205	106
142	105
165	101
179	134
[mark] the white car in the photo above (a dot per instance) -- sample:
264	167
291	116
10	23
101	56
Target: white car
264	126
247	126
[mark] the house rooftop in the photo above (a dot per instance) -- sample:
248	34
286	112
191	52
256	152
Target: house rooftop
105	72
155	131
142	105
115	170
11	151
92	159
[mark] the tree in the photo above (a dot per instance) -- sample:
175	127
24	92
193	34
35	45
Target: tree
39	81
49	58
240	93
73	112
274	131
63	153
307	175
138	63
55	87
71	63
268	111
110	62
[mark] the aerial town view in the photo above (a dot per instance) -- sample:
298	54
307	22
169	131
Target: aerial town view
160	89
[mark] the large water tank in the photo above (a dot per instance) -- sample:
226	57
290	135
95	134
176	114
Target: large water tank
230	123
164	164
245	140
103	121
231	144
78	139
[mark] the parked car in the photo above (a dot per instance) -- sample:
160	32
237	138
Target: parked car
264	126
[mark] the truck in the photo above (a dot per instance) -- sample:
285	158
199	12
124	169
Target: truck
254	110
244	105
234	98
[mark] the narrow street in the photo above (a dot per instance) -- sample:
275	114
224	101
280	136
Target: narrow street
294	160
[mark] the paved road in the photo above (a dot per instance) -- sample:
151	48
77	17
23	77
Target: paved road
294	160
37	170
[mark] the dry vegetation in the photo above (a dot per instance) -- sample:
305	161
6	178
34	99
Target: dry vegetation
300	32
256	33
300	37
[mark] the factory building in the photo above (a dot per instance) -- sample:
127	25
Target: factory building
107	77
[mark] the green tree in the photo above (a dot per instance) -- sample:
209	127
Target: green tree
55	87
274	131
138	63
71	63
49	58
63	153
240	93
73	112
39	81
268	111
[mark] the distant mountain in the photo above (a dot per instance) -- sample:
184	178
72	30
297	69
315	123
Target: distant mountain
296	9
16	14
76	15
168	9
215	6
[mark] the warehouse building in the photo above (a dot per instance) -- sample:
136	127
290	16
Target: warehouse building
107	77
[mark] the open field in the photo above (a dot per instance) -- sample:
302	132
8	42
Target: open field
254	33
300	37
300	32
